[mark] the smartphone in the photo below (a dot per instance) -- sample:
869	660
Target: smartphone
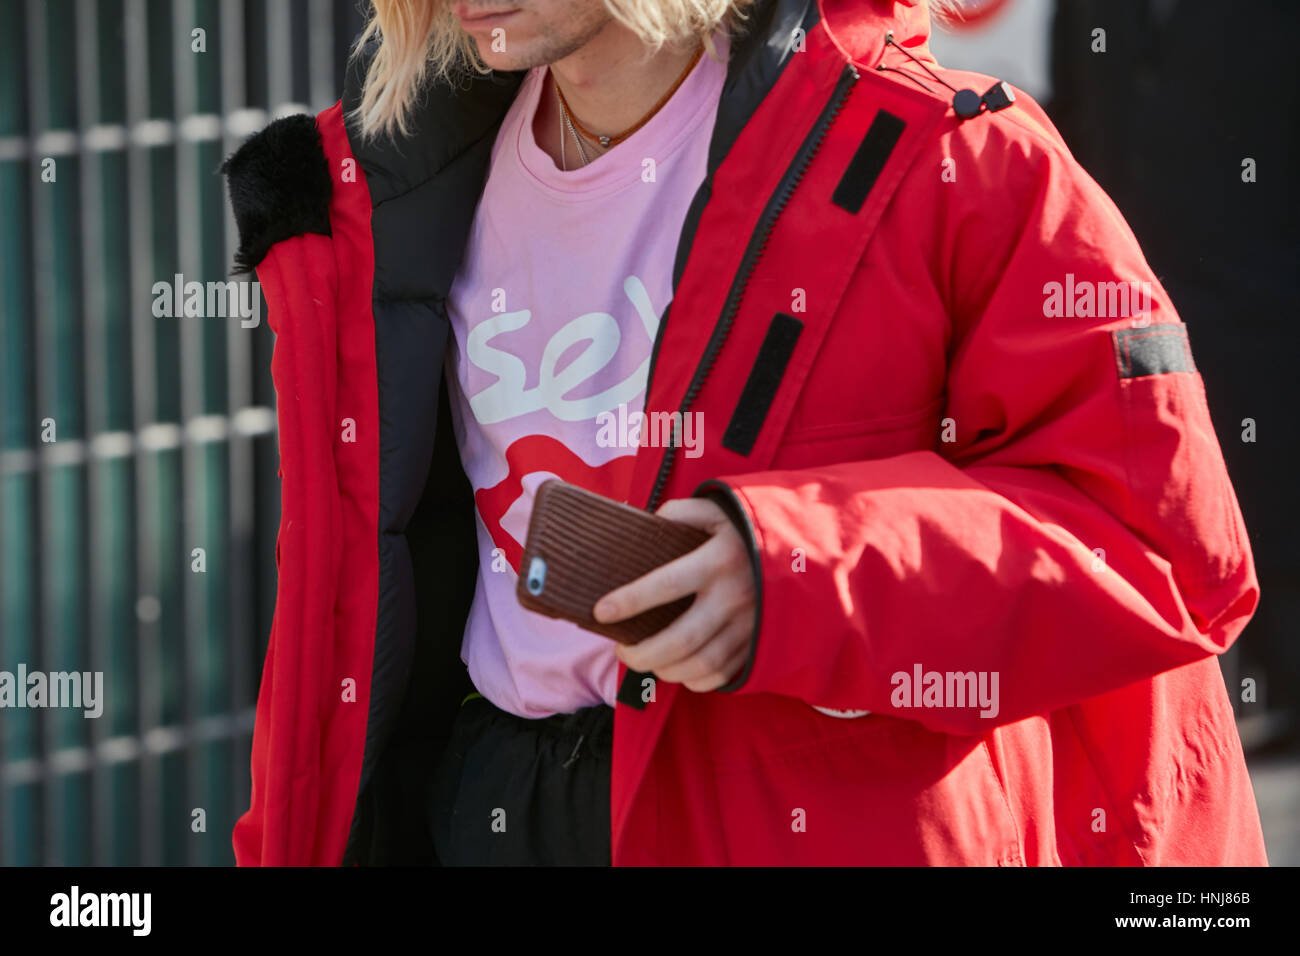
582	545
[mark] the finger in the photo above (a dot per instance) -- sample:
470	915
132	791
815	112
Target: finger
722	674
680	639
711	656
663	585
697	512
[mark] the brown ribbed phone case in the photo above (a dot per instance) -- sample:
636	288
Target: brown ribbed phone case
583	545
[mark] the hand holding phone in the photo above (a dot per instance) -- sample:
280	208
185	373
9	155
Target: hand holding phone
582	545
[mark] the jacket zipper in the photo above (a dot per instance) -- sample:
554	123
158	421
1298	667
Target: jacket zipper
753	252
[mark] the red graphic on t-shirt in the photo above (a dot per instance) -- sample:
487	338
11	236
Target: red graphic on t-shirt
534	453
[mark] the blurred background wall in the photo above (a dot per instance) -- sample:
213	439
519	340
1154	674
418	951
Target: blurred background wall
128	441
163	427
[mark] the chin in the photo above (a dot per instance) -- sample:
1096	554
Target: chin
515	58
503	62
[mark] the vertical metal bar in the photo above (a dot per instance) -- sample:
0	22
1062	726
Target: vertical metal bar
21	76
239	378
321	47
5	819
96	394
279	56
44	386
145	400
193	474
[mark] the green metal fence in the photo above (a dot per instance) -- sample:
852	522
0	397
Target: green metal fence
128	440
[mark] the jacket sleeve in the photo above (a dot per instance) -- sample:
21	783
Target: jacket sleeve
282	824
303	742
1078	531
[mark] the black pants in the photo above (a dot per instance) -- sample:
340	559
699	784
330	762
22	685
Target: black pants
516	792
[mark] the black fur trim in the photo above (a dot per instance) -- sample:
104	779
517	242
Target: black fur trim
280	187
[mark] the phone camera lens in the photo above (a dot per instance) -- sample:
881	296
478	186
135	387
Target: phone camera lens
536	576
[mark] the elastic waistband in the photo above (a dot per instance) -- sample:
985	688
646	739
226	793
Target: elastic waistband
595	723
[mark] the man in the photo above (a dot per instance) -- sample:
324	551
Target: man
973	548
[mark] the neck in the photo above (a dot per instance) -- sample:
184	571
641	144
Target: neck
609	85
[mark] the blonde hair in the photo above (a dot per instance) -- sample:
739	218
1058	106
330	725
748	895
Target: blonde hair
421	40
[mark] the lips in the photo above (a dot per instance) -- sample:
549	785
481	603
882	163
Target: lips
471	14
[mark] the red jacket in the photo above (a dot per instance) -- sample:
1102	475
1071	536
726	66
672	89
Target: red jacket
960	446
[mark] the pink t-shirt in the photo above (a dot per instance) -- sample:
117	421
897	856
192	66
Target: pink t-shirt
554	314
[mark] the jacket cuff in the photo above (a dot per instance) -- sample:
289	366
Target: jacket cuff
730	502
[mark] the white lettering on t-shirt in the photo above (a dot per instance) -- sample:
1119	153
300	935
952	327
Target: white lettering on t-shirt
507	397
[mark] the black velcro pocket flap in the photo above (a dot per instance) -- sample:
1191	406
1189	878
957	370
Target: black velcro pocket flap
1153	350
867	163
764	379
629	692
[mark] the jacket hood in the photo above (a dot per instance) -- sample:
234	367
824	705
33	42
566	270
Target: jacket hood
858	27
